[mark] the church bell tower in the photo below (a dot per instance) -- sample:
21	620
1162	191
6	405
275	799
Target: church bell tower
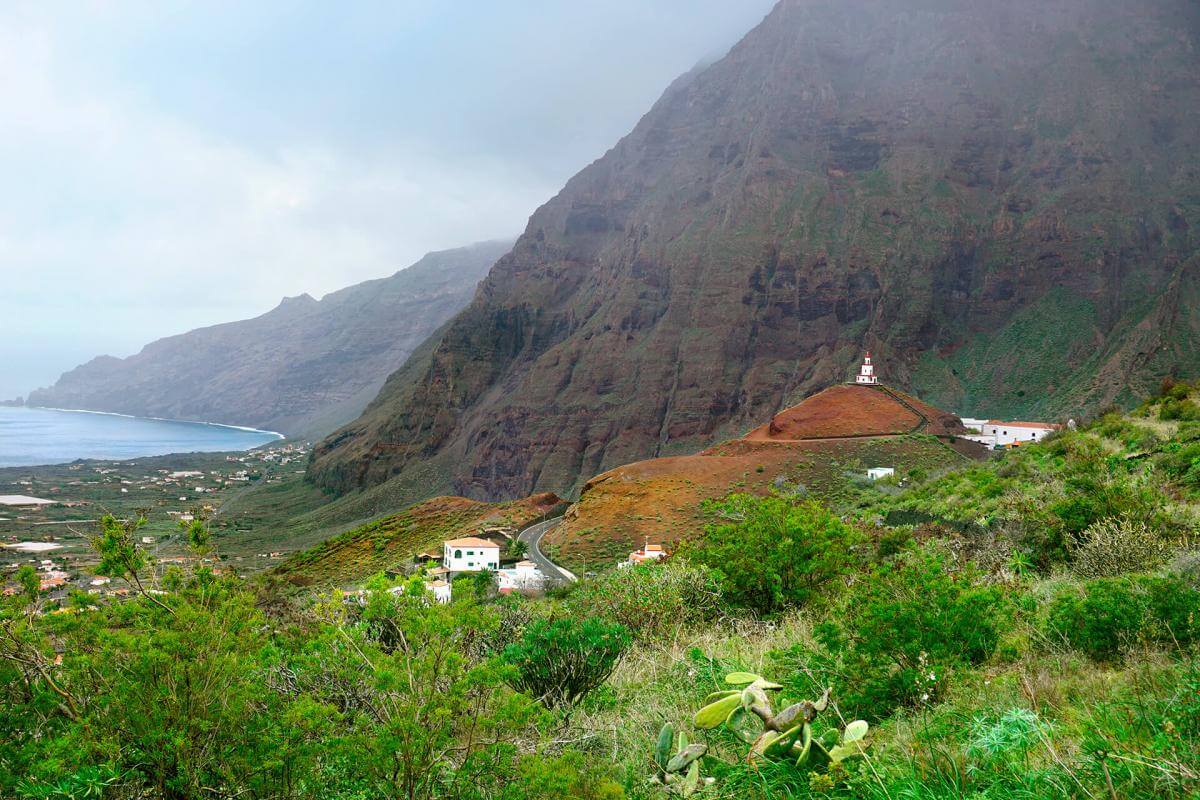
866	374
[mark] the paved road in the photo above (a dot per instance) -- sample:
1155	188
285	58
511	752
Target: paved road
532	537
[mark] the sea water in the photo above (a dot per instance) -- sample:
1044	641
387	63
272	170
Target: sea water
30	436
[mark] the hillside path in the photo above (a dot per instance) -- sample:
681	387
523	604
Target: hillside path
532	537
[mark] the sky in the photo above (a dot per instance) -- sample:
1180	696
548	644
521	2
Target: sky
169	165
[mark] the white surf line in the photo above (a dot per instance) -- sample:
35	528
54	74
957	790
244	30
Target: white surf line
276	434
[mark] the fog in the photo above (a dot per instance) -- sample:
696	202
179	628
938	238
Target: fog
173	165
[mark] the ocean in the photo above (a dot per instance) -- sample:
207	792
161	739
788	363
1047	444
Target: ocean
32	436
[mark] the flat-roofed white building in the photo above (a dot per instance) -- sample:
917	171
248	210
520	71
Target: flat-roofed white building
1009	433
522	575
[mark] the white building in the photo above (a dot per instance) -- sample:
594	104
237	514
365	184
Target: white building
470	555
878	473
648	554
866	374
440	590
1008	433
972	424
523	575
997	433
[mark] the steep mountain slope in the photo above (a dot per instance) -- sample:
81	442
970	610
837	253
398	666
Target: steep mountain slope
302	369
1000	199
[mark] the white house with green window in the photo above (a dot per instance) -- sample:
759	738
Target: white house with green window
470	555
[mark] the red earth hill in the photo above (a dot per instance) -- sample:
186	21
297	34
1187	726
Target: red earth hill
817	447
856	411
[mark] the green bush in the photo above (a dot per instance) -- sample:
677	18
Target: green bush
1181	462
1180	409
1117	546
1105	615
651	599
902	628
771	552
559	661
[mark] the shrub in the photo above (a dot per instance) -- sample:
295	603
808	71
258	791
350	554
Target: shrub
559	661
1182	463
1180	409
1117	546
1105	615
651	599
1010	735
771	552
902	629
1099	619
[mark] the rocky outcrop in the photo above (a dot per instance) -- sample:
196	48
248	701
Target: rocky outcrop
302	369
1000	200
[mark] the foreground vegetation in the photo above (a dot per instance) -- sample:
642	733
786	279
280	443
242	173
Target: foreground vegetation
1026	627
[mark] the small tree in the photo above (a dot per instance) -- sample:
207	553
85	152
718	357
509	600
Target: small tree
516	550
559	661
771	552
120	555
29	582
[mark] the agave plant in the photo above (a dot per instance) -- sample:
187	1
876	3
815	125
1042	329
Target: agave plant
786	735
677	763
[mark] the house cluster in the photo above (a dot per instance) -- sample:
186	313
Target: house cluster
1000	435
475	554
51	579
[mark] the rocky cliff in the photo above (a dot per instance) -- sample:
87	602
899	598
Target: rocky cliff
1000	200
302	369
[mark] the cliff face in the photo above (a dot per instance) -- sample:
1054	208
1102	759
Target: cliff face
1000	200
302	369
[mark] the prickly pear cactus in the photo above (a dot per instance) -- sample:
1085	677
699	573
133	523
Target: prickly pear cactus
677	763
785	735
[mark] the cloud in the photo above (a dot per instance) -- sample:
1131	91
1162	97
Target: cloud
129	221
169	166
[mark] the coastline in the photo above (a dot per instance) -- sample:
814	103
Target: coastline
244	428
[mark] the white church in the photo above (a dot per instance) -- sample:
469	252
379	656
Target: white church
866	374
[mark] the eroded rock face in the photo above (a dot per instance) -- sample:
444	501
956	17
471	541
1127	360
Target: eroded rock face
303	369
1000	200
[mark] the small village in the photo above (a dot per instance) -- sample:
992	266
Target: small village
47	518
474	555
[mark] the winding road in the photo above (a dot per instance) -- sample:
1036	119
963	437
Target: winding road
532	537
